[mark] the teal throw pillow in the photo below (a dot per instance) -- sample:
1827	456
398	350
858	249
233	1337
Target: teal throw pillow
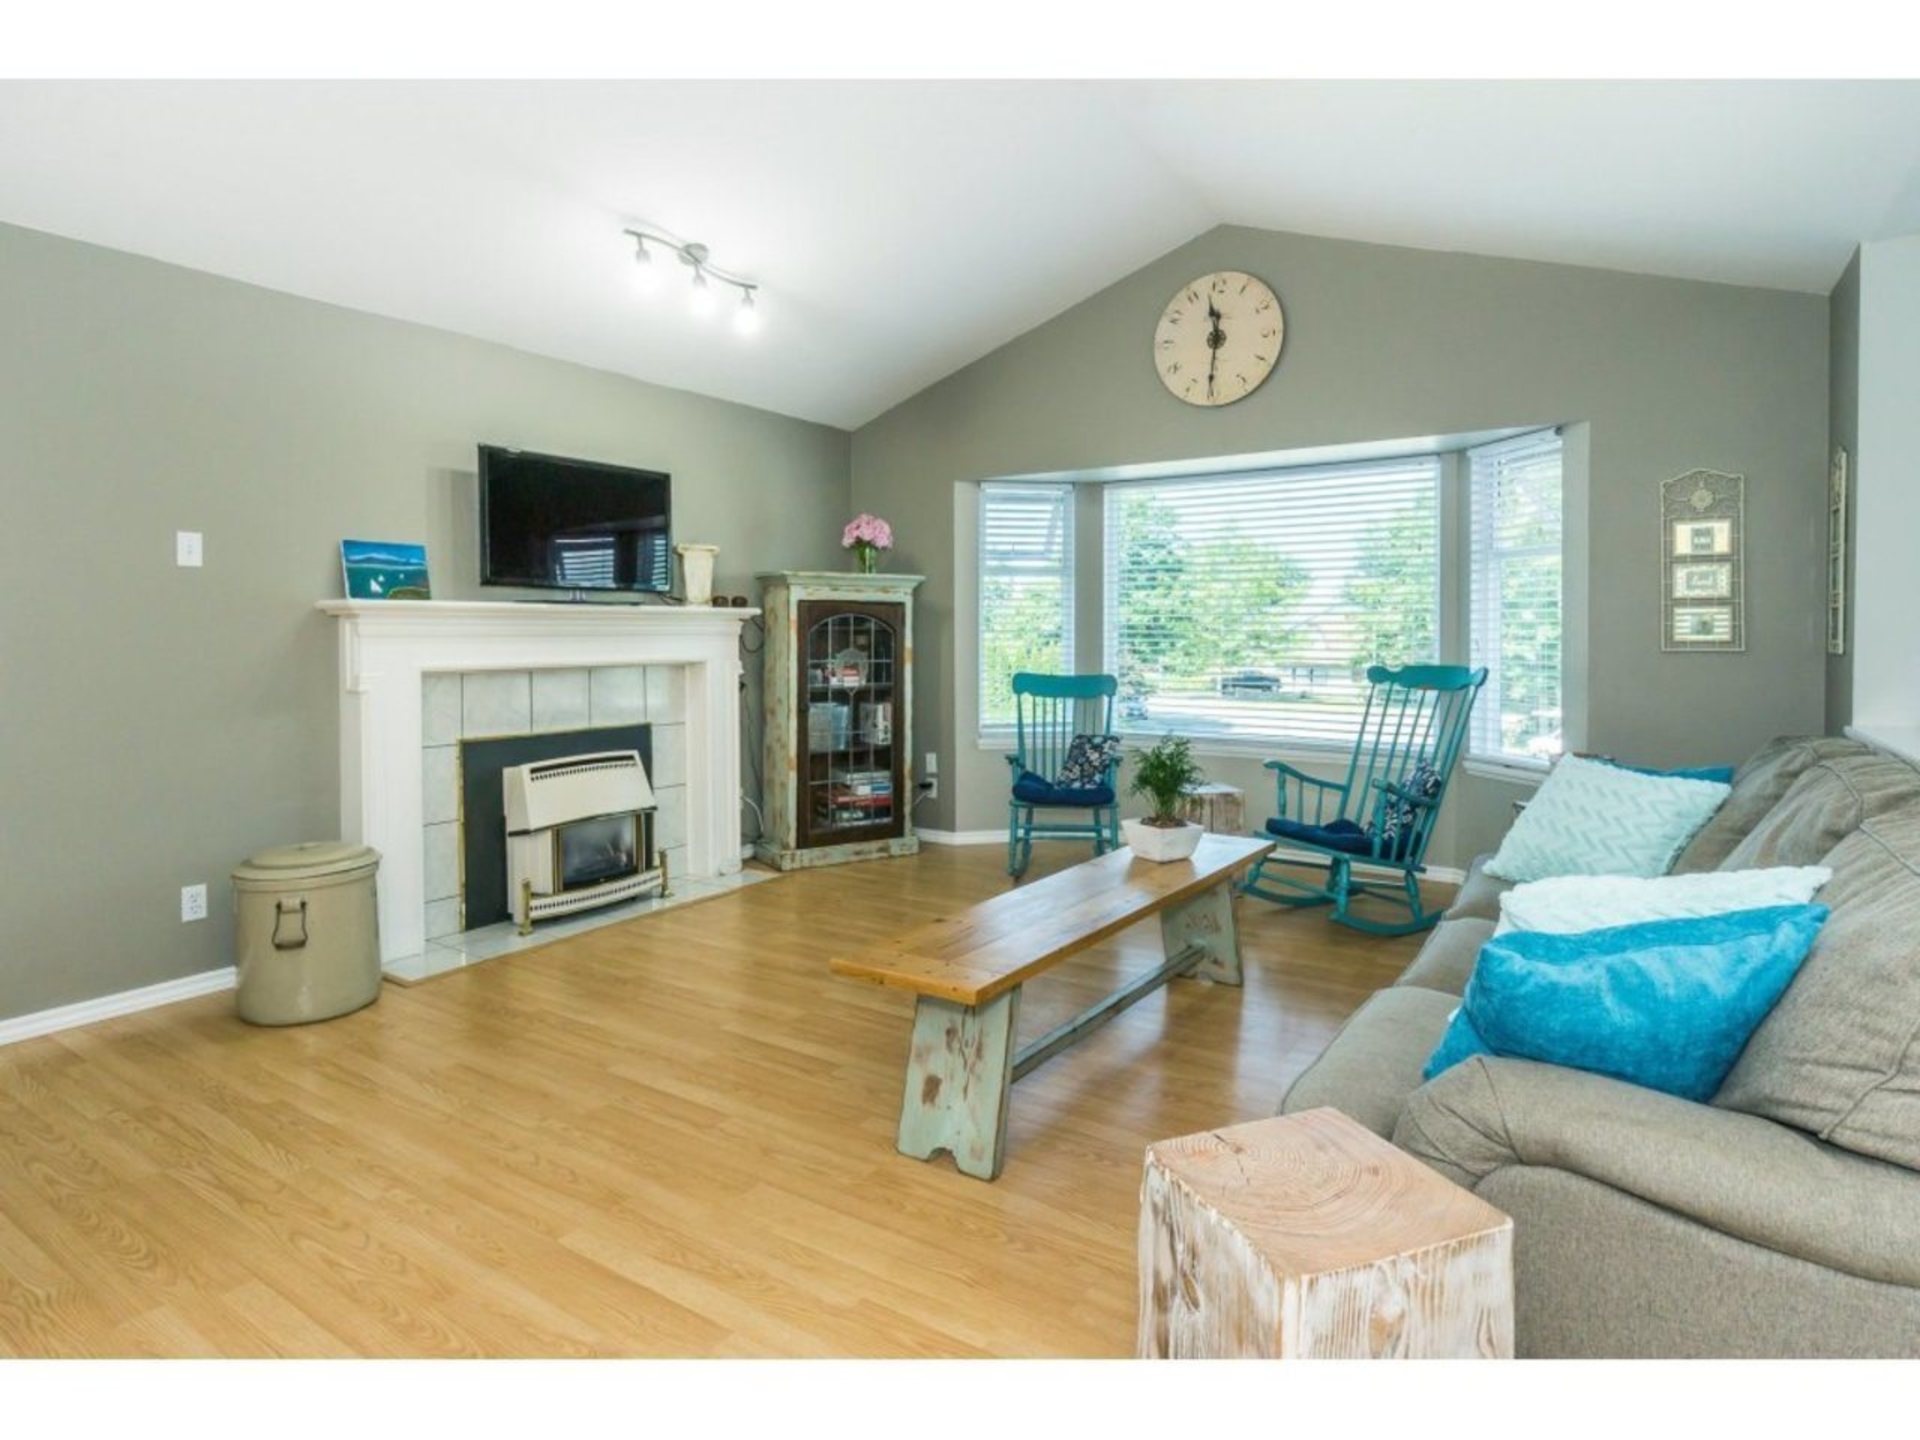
1668	1004
1719	774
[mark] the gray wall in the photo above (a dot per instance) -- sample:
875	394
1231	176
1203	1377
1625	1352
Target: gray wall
1382	343
157	724
1843	428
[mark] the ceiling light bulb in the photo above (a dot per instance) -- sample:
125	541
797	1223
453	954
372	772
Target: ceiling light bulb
646	275
701	301
746	320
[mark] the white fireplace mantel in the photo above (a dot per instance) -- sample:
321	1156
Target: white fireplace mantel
386	646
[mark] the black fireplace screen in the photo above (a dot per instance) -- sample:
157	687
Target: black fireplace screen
602	848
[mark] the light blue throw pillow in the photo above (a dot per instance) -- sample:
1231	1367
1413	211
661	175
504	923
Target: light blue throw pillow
1591	818
1668	1004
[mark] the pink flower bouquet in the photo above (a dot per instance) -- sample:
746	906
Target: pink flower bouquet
867	535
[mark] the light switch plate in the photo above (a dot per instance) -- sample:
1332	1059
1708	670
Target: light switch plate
188	549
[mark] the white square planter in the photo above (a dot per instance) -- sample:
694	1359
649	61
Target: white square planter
1151	842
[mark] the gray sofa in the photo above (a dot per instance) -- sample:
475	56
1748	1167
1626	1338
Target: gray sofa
1781	1219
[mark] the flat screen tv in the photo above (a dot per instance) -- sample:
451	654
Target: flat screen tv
557	524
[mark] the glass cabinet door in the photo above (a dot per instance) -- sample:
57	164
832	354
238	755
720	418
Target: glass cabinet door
851	775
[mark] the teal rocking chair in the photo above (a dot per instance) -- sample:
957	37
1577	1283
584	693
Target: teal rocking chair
1382	814
1048	711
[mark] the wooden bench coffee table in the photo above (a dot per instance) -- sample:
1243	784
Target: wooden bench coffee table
1308	1236
968	969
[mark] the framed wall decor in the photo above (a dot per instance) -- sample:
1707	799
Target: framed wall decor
1837	552
1703	580
1703	521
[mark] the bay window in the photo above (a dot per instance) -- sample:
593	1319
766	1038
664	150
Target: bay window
1249	606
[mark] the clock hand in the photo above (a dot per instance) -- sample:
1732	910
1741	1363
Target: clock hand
1214	337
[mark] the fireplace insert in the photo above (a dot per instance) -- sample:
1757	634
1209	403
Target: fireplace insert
602	848
579	834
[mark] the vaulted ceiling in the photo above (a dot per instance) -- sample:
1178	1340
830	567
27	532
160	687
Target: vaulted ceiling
902	229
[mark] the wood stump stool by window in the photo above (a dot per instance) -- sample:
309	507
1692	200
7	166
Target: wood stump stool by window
1221	808
1308	1236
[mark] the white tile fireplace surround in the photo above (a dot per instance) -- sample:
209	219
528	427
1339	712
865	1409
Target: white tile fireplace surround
518	668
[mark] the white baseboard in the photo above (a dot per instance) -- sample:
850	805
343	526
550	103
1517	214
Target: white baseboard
106	1007
962	837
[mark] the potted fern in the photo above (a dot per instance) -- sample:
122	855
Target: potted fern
1163	774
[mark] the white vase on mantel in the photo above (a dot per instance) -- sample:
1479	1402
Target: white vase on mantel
1162	843
696	572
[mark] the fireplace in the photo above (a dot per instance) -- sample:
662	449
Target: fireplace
580	833
420	678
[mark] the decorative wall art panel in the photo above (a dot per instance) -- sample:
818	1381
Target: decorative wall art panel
1703	520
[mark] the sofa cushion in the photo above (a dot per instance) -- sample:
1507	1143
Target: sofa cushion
1446	961
1840	1054
1758	785
1738	1174
1479	894
1824	806
1374	1063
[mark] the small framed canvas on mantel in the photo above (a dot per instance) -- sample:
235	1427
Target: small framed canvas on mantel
384	570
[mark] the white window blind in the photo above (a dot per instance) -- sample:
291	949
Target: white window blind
1250	606
1026	589
1515	624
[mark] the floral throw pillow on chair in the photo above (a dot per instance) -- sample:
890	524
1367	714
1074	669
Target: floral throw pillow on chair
1396	826
1088	757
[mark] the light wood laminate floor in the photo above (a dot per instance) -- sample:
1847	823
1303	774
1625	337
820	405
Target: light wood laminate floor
671	1137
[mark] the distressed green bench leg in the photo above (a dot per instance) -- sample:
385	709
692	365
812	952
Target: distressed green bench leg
959	1077
1206	921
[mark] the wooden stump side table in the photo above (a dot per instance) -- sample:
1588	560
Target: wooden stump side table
1308	1236
1221	808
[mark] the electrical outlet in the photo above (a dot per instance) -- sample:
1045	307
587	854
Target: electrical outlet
189	549
929	789
193	903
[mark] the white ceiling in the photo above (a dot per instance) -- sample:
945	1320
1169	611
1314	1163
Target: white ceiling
902	229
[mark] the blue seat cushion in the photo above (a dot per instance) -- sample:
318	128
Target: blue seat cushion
1343	835
1032	789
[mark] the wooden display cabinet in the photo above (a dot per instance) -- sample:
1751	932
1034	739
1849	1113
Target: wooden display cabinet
837	716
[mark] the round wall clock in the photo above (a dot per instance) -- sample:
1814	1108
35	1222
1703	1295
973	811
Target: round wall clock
1218	338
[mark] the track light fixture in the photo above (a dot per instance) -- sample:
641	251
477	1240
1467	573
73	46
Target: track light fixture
646	274
746	320
691	253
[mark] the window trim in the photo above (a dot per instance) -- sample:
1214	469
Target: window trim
1500	765
1069	559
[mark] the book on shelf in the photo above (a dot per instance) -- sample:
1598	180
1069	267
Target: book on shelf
848	814
872	801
